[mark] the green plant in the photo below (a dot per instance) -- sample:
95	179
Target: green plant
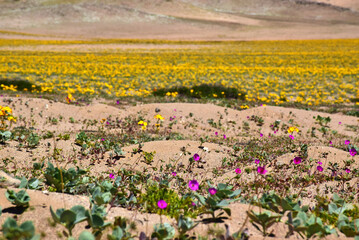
163	231
33	140
4	136
218	201
69	218
176	205
185	224
26	231
263	220
121	230
63	180
20	199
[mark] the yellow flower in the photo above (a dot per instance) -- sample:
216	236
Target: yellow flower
159	117
143	124
292	129
11	118
244	107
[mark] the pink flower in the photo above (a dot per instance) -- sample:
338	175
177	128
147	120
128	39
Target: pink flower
193	185
330	142
352	152
320	163
238	171
320	169
112	176
257	161
193	204
297	160
196	157
291	136
224	136
347	142
162	204
212	191
340	123
275	132
261	134
174	174
261	170
347	170
216	133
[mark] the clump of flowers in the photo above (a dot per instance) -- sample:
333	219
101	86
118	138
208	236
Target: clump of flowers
70	98
6	115
162	204
293	129
143	124
262	170
193	185
297	160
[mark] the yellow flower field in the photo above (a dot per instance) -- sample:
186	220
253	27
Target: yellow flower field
309	71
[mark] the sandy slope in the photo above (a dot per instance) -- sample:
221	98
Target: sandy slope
200	19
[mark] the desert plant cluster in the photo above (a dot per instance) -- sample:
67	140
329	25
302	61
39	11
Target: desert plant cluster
238	141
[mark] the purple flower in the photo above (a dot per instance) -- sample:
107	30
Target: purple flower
196	157
102	139
257	161
320	169
162	204
261	170
347	170
340	123
216	133
193	204
238	171
118	102
347	142
297	160
193	185
352	152
291	136
224	136
330	142
320	163
212	191
112	176
275	132
261	134
174	174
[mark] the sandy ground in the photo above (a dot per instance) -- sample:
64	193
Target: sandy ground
192	123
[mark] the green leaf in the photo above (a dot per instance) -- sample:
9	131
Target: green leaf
85	235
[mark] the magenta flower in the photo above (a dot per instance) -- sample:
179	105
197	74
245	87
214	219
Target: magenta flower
352	152
340	123
196	157
320	163
118	102
238	171
297	160
261	170
224	136
102	139
216	133
257	161
193	185
261	134
275	132
112	176
174	174
320	169
347	142
291	136
212	191
330	142
193	204
162	204
347	170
